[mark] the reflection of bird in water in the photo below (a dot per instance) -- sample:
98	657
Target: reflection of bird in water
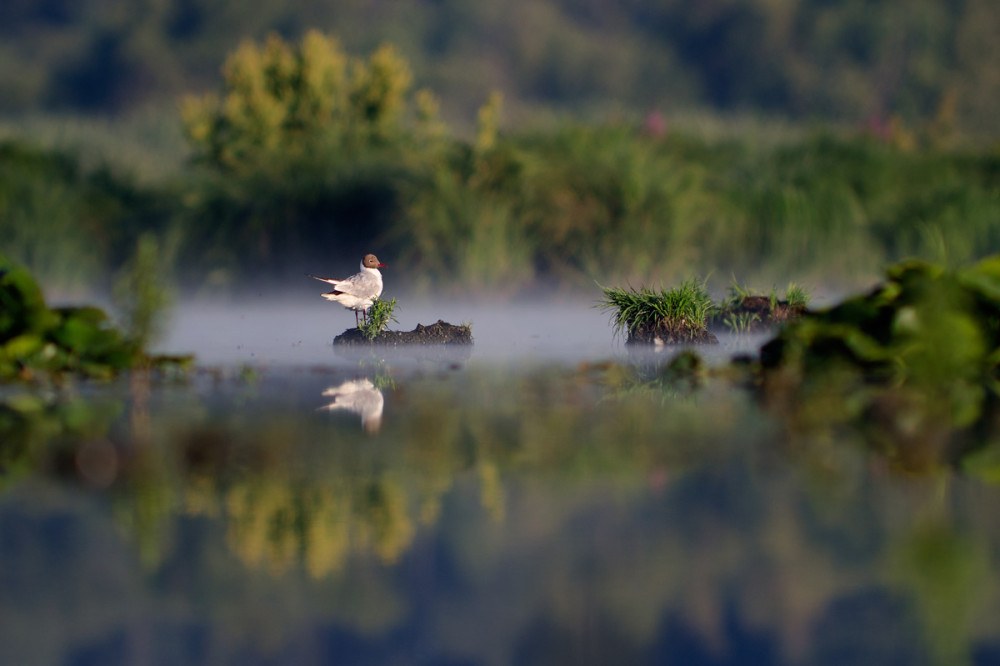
361	397
358	291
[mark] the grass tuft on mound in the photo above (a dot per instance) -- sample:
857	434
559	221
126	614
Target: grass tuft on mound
668	316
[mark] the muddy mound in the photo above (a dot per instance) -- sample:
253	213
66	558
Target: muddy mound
753	314
664	334
440	333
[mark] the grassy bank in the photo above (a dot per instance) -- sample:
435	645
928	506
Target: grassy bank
280	175
570	206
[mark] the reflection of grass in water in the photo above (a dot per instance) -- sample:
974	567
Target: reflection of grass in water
384	382
666	381
377	370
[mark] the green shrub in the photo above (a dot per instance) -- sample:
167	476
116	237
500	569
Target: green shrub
306	149
279	98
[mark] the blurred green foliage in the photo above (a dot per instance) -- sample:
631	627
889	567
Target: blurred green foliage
38	341
141	292
281	99
39	429
840	61
307	152
610	203
70	223
306	149
42	343
915	360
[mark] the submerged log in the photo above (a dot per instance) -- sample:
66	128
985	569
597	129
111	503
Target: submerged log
440	333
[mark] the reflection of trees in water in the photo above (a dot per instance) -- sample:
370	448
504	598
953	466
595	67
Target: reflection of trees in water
284	522
635	519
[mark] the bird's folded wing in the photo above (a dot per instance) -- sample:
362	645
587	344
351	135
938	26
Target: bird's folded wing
357	285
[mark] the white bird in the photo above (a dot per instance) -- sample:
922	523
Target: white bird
360	397
358	291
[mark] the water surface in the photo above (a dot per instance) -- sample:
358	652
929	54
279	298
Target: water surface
543	498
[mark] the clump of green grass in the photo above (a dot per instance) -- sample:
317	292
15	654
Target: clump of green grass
748	310
379	316
797	296
670	315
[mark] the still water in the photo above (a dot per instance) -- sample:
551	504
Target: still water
541	498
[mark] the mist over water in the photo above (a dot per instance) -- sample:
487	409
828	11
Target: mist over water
299	330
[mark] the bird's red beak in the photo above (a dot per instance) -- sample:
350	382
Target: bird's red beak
382	266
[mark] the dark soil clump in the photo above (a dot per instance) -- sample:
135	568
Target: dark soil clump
441	333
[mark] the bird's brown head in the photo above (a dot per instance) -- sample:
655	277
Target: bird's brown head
371	261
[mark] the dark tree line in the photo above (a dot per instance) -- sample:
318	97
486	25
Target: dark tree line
848	61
